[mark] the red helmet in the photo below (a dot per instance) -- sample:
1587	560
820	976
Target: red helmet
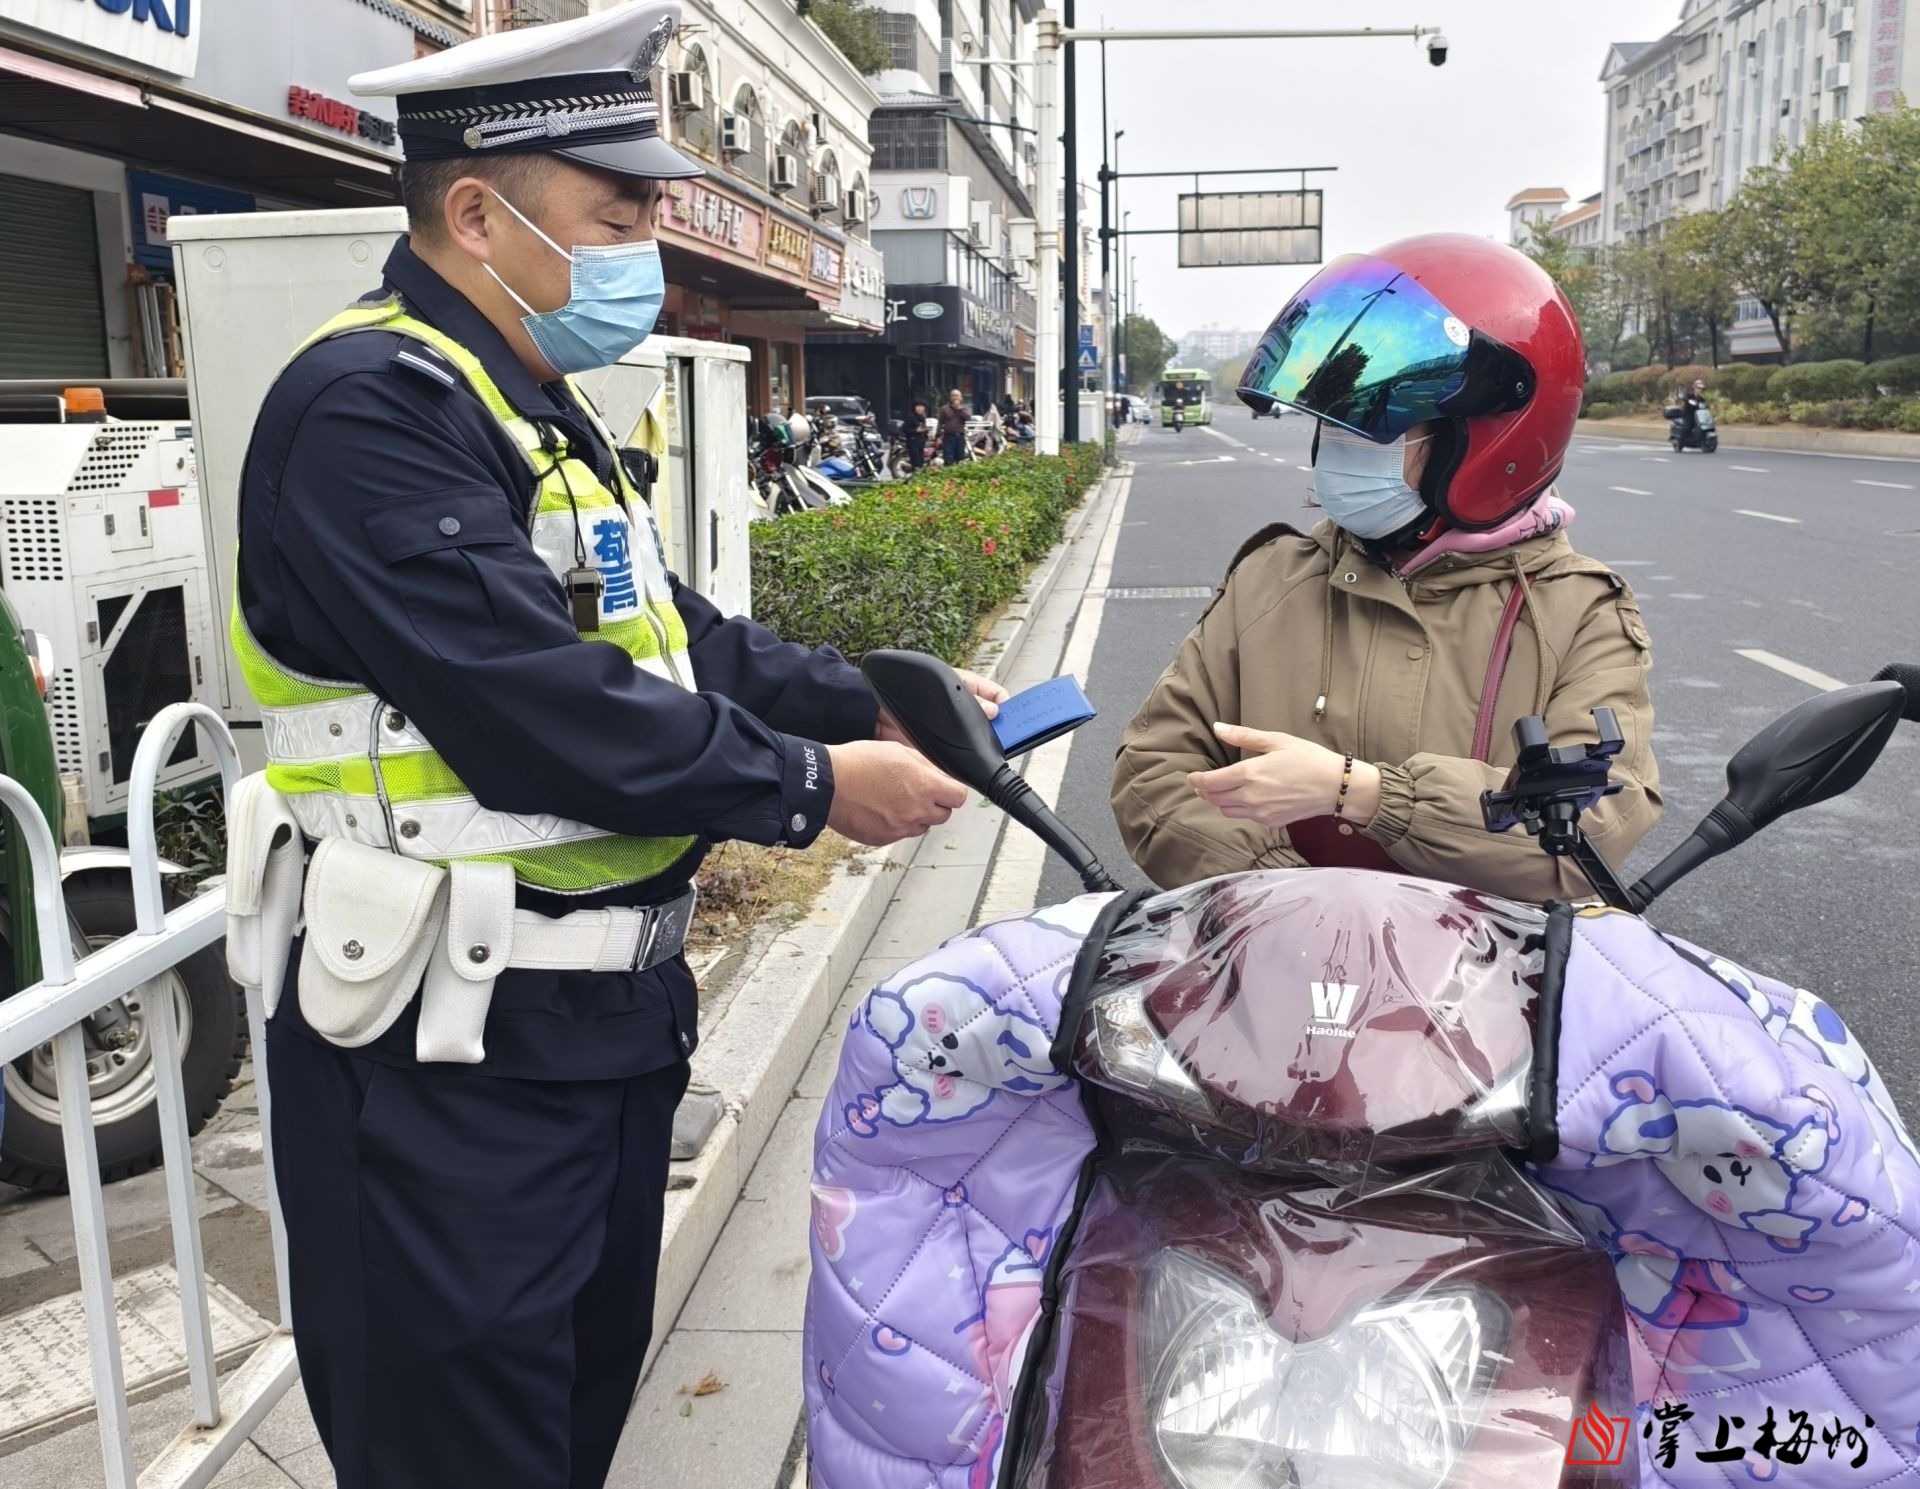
1448	329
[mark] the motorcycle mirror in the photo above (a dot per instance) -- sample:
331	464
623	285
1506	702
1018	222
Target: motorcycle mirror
1816	751
948	726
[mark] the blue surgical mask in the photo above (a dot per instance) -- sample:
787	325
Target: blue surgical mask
616	300
1363	486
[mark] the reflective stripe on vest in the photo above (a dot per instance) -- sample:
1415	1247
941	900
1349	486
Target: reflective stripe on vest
353	766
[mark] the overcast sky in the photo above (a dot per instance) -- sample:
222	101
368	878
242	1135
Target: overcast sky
1418	148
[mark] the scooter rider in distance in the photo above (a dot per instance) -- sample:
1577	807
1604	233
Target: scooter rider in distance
510	736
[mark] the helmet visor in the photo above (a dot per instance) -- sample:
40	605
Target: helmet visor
1365	347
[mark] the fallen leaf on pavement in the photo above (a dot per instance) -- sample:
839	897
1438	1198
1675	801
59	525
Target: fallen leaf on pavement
707	1385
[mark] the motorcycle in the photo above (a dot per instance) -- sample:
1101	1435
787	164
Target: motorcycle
1179	420
1223	1187
1702	436
778	488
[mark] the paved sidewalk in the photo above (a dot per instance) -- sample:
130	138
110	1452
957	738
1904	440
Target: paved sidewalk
742	1323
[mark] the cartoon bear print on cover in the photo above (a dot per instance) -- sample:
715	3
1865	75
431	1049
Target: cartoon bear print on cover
1729	1143
946	1159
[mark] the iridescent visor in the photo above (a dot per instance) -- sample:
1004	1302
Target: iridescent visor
1362	346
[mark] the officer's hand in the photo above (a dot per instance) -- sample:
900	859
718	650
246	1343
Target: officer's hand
883	792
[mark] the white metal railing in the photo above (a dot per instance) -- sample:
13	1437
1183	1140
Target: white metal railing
56	1008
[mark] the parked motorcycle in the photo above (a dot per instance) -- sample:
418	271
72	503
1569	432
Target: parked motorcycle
778	488
1217	1188
1701	436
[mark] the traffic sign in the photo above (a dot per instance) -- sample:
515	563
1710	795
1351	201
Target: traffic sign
1086	337
1089	358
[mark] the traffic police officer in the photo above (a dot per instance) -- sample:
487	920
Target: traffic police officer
509	736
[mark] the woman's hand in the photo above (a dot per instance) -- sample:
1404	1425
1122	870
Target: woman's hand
1285	780
990	694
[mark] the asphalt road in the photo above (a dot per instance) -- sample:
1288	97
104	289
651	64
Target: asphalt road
1809	559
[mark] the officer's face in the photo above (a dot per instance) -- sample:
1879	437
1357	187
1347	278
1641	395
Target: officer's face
576	207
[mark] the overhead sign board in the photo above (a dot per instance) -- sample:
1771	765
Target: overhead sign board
1230	229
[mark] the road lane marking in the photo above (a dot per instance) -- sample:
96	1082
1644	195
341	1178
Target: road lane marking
1752	470
1764	516
1238	444
1889	485
1630	490
1791	669
1657	459
1209	460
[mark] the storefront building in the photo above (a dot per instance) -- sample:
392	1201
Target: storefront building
766	247
112	119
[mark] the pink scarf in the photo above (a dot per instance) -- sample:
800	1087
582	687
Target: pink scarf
1547	513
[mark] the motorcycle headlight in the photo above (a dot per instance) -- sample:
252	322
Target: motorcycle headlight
1388	1400
1129	1054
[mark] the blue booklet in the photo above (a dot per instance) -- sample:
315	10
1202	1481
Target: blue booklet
1041	714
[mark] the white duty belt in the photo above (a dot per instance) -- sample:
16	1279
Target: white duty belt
380	928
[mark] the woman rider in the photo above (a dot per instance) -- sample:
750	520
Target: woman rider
1353	687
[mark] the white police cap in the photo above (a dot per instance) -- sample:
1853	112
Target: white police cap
582	89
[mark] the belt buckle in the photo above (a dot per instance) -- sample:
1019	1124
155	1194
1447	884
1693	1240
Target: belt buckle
665	933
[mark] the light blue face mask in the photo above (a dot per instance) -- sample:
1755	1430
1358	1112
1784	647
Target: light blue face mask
1363	486
616	300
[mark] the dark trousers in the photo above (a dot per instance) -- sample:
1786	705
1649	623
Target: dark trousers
471	1262
953	448
917	449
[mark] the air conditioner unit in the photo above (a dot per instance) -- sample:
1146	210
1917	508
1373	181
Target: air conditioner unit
855	208
1840	20
827	197
1839	75
980	224
948	55
786	173
1022	236
1686	114
734	134
687	91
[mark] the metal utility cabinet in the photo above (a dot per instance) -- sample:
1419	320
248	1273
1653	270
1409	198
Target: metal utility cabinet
254	286
102	553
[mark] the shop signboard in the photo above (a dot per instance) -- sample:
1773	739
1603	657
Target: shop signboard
789	248
863	288
160	34
829	263
714	219
156	198
946	315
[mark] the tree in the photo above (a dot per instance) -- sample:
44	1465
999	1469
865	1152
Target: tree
1761	243
853	27
1703	288
1856	211
1587	278
1147	349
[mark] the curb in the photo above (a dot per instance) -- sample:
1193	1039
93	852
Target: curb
1788	439
754	1054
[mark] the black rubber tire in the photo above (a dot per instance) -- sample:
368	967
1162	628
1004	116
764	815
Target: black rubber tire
1711	445
31	1156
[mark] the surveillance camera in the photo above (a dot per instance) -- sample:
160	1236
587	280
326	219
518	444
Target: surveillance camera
1437	50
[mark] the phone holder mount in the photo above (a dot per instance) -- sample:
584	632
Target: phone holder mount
1549	789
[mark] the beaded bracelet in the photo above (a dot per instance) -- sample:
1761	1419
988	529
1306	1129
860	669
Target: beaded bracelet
1346	782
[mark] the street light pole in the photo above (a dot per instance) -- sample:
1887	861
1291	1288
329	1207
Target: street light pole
1051	41
1106	226
1070	332
1046	347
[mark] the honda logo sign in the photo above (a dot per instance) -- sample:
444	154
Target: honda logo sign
919	203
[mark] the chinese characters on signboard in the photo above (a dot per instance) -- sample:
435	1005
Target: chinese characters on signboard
1887	27
302	103
708	214
788	247
827	262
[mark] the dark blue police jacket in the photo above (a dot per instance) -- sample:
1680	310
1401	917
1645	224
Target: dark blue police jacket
469	635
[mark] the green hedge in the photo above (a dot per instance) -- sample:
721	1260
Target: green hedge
1898	375
1813	381
917	563
1741	382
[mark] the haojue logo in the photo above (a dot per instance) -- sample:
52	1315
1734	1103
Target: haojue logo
1597	1439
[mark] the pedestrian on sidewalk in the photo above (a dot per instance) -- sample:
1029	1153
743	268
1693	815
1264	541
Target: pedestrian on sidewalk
510	736
953	429
1382	678
917	434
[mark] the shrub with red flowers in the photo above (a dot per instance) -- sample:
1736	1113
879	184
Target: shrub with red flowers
917	563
